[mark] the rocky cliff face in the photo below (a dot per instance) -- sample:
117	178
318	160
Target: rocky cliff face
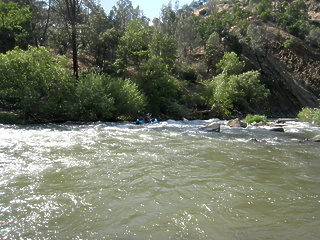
314	9
291	71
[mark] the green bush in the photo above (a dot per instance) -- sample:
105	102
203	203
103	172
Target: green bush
35	83
264	10
101	97
313	37
187	73
230	64
160	88
10	118
93	101
288	43
128	100
311	115
226	92
292	15
255	118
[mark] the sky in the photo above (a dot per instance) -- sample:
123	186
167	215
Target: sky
151	8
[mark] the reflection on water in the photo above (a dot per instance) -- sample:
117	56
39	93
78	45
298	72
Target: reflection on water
164	181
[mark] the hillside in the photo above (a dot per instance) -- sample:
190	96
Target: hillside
292	73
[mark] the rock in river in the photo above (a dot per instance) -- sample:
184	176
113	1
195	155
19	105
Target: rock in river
315	139
213	127
237	123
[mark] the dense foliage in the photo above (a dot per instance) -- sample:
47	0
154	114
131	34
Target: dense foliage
310	115
102	97
122	66
255	119
14	26
40	87
34	82
233	89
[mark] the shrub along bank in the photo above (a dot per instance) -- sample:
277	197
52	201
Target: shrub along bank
40	88
311	115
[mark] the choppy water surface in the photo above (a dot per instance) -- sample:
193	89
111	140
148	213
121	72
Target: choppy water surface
164	181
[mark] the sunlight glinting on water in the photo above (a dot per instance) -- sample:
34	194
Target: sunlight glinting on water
163	181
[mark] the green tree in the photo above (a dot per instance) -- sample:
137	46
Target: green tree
72	16
230	64
161	89
35	83
239	14
129	101
219	22
162	45
292	16
213	50
94	102
264	10
102	97
133	47
228	92
123	13
13	19
232	89
314	37
311	115
168	20
97	37
105	46
187	34
254	35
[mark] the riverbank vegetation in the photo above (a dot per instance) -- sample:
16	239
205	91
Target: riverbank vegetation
310	115
255	118
69	60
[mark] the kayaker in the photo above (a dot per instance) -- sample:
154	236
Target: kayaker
148	118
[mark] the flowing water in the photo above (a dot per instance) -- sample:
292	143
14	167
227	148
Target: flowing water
161	181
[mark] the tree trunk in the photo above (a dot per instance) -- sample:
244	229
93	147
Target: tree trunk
75	51
46	26
72	10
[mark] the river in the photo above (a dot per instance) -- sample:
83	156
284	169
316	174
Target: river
162	181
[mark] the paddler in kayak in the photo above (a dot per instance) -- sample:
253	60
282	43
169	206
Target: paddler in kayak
148	118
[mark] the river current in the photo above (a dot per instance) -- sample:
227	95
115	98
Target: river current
163	181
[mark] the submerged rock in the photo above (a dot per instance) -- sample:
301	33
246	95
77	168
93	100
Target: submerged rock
277	129
213	127
237	123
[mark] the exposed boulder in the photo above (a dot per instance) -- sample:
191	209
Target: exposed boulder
284	120
315	139
237	123
213	127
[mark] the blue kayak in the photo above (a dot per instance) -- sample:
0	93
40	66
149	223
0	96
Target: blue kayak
143	122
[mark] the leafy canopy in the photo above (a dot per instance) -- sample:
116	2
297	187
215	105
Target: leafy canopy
230	64
232	89
32	81
102	97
